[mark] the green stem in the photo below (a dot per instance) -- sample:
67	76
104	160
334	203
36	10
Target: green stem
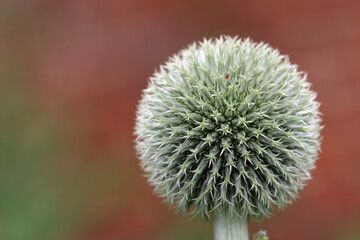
228	227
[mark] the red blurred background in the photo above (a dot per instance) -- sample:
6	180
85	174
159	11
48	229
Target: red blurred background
71	73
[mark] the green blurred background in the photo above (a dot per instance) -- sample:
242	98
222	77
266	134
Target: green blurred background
71	73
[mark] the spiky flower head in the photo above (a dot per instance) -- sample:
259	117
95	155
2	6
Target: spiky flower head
228	124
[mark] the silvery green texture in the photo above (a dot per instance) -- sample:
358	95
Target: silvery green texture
230	227
229	125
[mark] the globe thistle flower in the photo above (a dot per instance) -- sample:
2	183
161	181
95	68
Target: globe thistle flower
228	125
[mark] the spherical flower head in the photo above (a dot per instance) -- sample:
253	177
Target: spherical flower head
230	125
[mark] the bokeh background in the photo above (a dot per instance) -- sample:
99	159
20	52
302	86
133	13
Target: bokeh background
72	71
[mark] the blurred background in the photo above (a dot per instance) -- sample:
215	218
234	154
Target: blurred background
71	73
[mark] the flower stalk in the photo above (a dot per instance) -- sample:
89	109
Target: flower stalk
230	227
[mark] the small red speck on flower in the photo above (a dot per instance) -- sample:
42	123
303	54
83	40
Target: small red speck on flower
227	76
